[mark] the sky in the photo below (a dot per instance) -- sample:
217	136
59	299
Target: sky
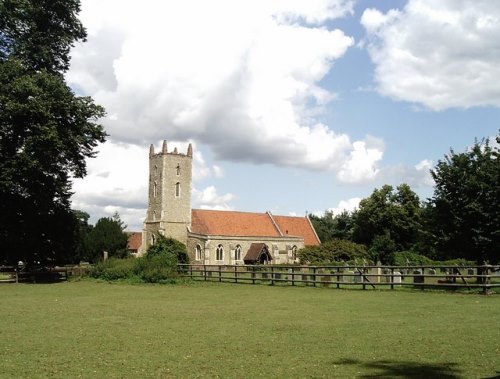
292	106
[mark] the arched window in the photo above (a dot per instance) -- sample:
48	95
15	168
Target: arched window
219	253
294	252
153	239
155	188
237	253
156	170
178	169
198	253
177	189
154	215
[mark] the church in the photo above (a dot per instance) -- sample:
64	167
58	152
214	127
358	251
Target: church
215	237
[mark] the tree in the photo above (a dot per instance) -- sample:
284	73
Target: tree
389	215
335	250
107	235
46	132
465	207
332	226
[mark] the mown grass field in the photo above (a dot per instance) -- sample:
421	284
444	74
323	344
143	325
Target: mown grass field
98	330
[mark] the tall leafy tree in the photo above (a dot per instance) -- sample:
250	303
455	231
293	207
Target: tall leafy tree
108	235
389	215
330	226
465	208
46	131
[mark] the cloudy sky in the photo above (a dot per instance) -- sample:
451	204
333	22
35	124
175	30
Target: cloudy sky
292	106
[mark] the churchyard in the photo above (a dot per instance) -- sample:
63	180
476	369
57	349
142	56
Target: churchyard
95	329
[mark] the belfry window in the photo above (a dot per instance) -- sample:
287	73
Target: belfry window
177	189
178	169
219	253
155	188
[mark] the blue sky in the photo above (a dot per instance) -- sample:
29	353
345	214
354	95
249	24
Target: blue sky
292	107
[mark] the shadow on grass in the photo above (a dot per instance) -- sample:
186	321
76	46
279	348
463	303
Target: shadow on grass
389	369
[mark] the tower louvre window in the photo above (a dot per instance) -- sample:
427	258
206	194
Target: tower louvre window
177	189
155	189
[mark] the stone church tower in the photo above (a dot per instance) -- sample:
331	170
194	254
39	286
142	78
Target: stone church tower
169	205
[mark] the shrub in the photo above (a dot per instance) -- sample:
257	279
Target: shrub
159	265
404	258
332	251
113	269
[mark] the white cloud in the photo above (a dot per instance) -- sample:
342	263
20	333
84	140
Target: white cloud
240	77
348	205
361	166
117	181
437	53
417	176
209	199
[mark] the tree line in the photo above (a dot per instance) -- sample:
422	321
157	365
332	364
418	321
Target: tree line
460	220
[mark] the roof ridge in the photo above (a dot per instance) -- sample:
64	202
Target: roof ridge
274	223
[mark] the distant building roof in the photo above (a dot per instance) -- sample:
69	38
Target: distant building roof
247	224
134	241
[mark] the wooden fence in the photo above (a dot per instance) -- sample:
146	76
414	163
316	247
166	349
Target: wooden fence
14	274
481	278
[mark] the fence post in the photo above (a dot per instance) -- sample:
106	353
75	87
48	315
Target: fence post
486	279
272	275
17	277
235	274
392	278
220	273
253	274
314	276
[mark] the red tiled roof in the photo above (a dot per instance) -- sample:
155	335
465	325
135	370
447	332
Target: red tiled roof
134	241
246	224
229	223
298	226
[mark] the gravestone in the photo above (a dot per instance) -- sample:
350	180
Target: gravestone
396	278
418	278
470	271
325	280
432	272
357	277
349	278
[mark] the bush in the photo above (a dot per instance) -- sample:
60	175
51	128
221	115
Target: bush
159	265
332	251
113	269
403	258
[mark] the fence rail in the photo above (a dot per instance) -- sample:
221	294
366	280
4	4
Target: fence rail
483	278
14	274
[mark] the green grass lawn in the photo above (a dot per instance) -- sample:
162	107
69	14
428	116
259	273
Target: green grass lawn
99	330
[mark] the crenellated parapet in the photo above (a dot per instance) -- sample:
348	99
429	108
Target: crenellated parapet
164	151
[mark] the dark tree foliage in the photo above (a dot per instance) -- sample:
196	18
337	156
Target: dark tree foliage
395	215
46	132
40	33
107	235
465	208
169	248
330	226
